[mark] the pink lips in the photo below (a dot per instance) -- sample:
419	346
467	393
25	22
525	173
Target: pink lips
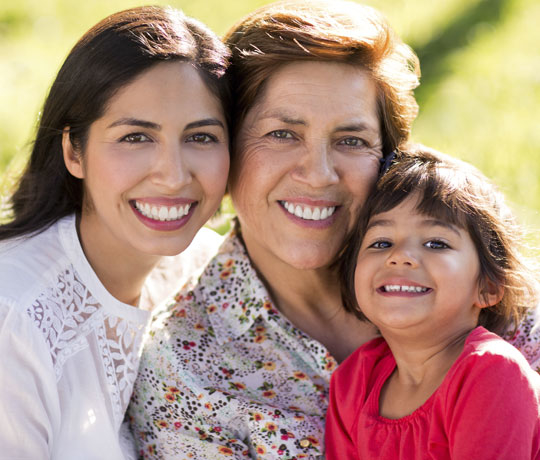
402	288
167	225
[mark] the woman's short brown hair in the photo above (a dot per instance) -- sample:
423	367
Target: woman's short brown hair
455	192
337	31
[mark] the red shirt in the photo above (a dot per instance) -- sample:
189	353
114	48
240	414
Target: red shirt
488	407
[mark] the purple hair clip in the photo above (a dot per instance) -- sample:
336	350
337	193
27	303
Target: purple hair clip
386	162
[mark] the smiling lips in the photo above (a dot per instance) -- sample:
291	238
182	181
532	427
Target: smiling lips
162	213
403	290
308	212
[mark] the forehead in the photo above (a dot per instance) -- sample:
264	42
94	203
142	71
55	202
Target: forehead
416	210
320	91
166	88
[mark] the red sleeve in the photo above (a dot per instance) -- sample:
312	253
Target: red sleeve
347	395
493	407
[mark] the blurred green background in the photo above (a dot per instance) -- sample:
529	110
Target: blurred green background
479	98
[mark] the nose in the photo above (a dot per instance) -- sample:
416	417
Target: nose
402	256
171	170
316	166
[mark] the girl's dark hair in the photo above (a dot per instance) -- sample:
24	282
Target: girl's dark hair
455	192
108	57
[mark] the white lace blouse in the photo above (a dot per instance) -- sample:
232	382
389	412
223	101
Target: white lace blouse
69	350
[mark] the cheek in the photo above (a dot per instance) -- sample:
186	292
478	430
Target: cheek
360	284
212	173
360	177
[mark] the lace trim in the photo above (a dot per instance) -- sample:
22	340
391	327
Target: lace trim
119	343
64	315
67	313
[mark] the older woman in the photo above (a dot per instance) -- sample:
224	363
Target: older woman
239	364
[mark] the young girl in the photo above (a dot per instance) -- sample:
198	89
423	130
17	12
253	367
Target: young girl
433	264
130	160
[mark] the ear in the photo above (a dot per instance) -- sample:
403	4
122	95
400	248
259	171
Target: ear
489	294
72	158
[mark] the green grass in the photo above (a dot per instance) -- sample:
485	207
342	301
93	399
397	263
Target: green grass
479	98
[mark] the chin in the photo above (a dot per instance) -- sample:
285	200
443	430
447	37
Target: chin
308	259
164	250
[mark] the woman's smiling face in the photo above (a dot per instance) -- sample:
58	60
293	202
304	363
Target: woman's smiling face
155	164
306	157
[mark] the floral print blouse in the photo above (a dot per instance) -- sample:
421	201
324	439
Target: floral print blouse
224	375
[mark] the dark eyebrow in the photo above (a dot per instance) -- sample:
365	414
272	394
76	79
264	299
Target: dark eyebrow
354	127
284	117
157	127
441	223
378	223
205	122
429	222
135	122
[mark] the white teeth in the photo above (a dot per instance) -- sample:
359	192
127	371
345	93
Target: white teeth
398	288
162	213
309	213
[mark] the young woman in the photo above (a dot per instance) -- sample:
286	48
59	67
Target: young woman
130	160
434	264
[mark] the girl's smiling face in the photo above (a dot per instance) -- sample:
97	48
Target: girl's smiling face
155	165
417	273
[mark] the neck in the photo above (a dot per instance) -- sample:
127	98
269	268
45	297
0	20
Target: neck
420	370
311	300
420	360
121	271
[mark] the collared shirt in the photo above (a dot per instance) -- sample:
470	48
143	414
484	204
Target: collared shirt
225	375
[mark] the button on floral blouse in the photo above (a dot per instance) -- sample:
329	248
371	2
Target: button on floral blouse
224	375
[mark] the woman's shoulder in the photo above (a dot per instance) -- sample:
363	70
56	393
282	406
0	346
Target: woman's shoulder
29	263
174	272
526	338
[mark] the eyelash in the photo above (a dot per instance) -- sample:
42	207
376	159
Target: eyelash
376	244
441	244
359	142
281	135
129	138
211	137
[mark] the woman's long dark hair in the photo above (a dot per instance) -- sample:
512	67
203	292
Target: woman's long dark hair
106	58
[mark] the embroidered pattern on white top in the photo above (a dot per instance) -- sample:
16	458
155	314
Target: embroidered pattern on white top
67	313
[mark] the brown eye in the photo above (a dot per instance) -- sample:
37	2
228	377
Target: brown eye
281	134
135	138
352	142
201	138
